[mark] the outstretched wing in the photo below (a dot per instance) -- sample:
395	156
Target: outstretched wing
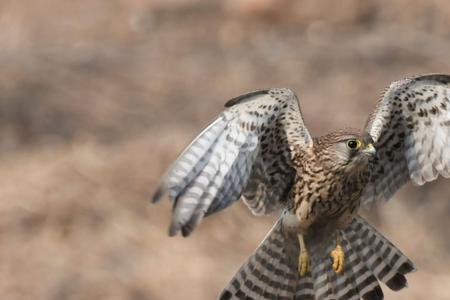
246	151
411	130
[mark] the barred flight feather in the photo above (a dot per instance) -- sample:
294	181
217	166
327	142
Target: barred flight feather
411	130
271	273
250	139
260	150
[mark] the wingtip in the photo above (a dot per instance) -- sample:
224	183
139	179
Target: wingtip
159	193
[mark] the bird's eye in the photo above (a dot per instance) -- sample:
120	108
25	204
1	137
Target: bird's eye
354	144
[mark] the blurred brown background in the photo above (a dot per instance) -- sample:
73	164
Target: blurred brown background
98	97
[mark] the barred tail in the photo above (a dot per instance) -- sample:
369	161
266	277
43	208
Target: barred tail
271	272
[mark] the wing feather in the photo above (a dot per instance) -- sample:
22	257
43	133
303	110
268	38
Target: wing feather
193	160
248	148
411	130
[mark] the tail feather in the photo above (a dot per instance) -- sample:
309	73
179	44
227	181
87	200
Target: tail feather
385	249
271	272
346	286
356	267
321	286
387	262
304	290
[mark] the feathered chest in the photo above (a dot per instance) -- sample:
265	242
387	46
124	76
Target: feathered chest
324	192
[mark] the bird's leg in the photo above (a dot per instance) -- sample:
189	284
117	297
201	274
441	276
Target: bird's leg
337	255
303	259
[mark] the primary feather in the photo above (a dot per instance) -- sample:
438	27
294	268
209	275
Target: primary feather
246	151
260	150
411	130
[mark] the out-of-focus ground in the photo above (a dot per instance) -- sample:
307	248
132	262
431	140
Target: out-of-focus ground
98	97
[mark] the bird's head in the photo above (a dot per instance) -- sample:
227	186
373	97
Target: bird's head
347	150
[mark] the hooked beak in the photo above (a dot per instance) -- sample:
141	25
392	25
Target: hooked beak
369	149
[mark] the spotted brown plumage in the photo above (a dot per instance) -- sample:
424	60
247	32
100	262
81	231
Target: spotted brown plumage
247	151
259	150
411	130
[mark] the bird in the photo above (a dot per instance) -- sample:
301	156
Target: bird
259	150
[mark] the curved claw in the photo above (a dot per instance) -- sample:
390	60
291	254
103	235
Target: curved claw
338	257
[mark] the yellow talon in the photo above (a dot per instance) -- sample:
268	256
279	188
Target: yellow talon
303	263
303	258
338	259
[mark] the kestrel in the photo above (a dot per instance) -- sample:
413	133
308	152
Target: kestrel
259	150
